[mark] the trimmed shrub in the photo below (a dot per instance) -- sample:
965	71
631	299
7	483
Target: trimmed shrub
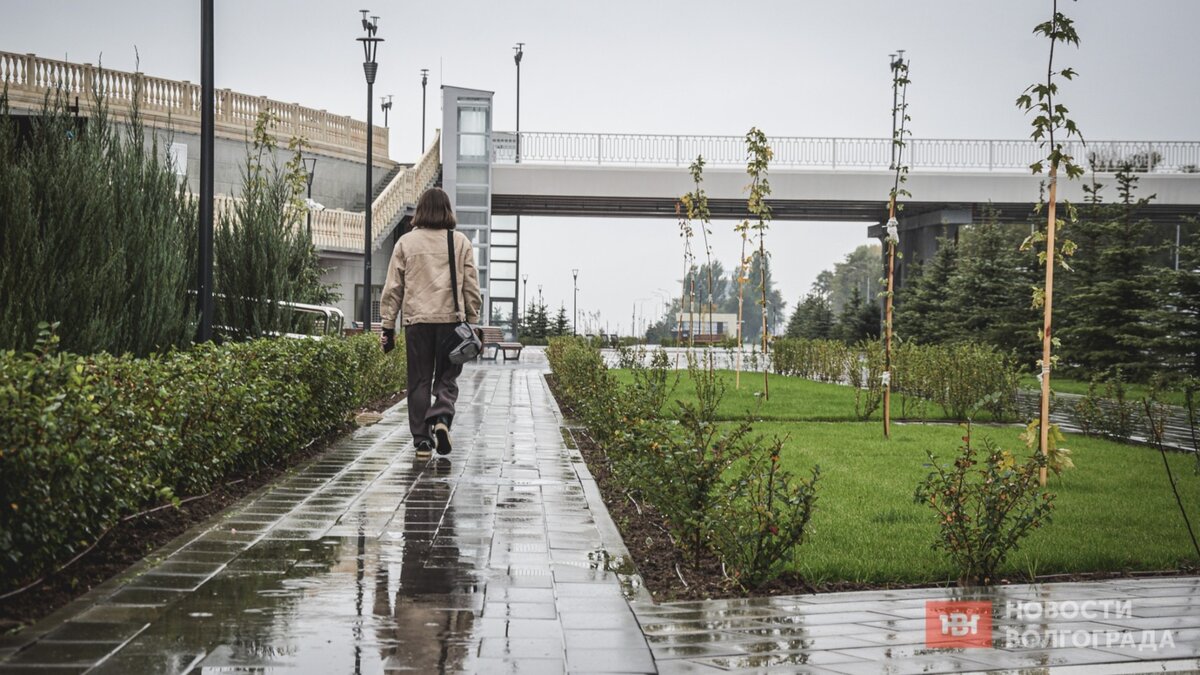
985	506
962	378
87	440
719	487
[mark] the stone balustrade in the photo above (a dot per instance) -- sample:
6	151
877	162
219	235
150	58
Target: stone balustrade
31	79
335	229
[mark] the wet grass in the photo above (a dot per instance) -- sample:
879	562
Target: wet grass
1114	512
793	399
1134	392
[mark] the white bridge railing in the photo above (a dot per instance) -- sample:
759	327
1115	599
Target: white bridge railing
837	153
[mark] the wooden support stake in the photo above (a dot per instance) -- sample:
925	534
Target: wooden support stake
887	349
1047	316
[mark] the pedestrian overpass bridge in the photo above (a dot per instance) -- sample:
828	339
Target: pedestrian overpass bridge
820	179
953	181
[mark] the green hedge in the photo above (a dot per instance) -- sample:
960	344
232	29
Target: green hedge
962	378
719	487
85	440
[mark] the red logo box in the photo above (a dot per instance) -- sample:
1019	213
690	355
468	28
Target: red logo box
958	624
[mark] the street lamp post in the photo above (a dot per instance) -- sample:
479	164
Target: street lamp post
310	169
517	56
424	79
525	296
207	163
385	104
575	303
370	44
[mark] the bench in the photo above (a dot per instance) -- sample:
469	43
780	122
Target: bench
493	338
707	339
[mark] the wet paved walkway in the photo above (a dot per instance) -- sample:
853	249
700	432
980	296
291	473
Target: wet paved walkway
366	561
504	560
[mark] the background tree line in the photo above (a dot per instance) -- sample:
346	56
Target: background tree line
843	303
696	301
1123	306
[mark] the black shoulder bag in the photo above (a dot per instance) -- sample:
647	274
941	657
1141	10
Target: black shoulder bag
462	345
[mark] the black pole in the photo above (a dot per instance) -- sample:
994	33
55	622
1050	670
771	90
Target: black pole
204	285
310	179
366	301
520	49
518	112
424	79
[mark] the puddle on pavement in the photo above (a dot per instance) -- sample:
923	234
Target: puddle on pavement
339	604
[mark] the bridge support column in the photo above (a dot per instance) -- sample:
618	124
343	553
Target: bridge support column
919	236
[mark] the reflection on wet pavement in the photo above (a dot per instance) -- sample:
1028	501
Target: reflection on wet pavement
502	559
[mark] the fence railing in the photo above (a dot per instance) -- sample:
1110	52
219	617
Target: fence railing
837	153
30	78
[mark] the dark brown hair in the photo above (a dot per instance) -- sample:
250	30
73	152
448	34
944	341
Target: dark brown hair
434	211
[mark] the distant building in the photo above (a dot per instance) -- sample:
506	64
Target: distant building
703	324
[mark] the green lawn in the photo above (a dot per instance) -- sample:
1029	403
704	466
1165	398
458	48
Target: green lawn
1114	511
1133	391
793	399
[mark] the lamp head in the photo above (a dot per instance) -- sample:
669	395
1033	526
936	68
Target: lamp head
370	44
310	167
520	52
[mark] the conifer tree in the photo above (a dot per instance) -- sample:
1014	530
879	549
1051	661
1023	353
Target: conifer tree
562	325
989	288
924	313
1176	313
1111	288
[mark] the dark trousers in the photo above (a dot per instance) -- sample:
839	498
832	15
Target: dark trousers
429	372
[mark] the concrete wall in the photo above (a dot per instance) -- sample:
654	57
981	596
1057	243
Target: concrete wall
337	183
344	271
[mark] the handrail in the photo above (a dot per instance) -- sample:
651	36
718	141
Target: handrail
337	229
333	319
836	153
341	230
161	101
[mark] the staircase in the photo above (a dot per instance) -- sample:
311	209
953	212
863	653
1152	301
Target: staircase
393	200
381	185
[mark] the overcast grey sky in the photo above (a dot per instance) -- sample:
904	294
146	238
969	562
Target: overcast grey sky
793	68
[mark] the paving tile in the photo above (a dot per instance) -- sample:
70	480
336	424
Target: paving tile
610	661
45	653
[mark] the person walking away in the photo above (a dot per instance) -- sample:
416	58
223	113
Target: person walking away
420	290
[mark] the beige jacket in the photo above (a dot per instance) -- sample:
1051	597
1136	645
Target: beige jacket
418	280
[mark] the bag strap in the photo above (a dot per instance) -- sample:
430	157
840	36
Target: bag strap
453	268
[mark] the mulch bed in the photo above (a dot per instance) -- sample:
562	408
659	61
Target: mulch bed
132	540
670	577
